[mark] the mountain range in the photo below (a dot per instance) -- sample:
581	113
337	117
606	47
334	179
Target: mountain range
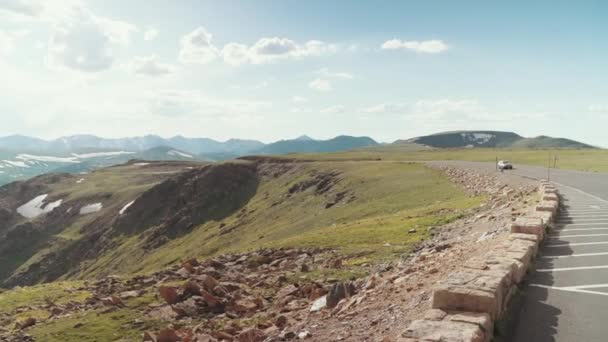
22	157
469	139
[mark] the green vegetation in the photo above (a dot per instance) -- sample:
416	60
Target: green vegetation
58	292
125	324
98	325
367	211
383	202
573	159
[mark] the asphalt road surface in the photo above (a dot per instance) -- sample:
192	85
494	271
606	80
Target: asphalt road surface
566	298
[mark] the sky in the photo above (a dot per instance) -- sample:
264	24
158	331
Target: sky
276	69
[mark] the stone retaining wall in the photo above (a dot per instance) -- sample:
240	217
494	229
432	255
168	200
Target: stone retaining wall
467	303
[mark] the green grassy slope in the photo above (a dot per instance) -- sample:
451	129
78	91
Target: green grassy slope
364	210
382	202
573	159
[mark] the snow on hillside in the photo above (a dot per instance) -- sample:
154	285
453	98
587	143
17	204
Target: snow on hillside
37	207
30	157
28	160
124	209
91	208
178	153
477	138
100	154
14	163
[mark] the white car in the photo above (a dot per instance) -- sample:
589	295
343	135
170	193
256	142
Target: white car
505	165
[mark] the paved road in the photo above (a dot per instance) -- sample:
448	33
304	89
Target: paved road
566	298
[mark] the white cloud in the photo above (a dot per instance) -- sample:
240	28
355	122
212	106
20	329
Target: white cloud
340	75
388	108
598	108
236	54
196	47
268	50
6	43
150	66
80	39
427	46
23	8
194	104
261	85
452	108
320	84
299	99
150	34
333	109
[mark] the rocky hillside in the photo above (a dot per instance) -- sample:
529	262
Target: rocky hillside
141	216
470	139
278	294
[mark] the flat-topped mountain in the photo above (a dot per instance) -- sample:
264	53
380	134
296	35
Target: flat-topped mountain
468	139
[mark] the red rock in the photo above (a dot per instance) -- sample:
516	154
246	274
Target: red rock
212	301
281	321
192	288
26	323
188	267
149	337
169	294
251	335
288	290
168	335
208	282
113	301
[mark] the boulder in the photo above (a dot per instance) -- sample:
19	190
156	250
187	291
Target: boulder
550	206
529	225
251	335
452	327
169	294
338	292
473	291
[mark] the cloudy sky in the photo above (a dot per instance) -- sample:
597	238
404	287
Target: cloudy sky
275	69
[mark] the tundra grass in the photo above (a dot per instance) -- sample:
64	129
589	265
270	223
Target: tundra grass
58	292
97	325
595	160
387	209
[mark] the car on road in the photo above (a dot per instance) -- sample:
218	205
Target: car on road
505	165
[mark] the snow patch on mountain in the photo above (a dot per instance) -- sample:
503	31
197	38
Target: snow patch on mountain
179	153
100	154
37	207
91	208
124	209
477	138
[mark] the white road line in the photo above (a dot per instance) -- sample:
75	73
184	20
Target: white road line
582	224
572	255
583	287
577	244
563	269
582	219
582	216
585	212
582	192
569	289
576	229
573	236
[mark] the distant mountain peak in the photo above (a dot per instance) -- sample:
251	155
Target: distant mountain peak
304	137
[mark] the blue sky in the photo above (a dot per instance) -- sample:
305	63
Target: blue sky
277	69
